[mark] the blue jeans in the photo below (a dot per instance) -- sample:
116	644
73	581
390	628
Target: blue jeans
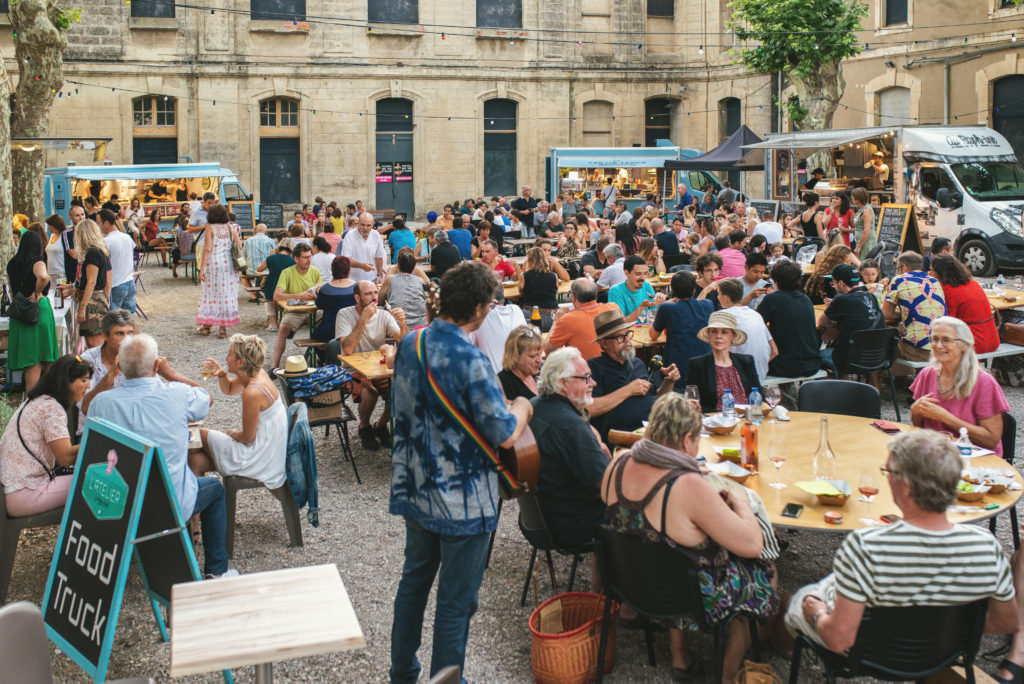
213	519
461	560
123	297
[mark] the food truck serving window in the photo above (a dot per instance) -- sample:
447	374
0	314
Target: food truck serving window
148	190
631	181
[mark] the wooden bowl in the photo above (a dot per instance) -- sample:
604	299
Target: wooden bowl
832	500
721	430
971	497
996	488
733	458
738	478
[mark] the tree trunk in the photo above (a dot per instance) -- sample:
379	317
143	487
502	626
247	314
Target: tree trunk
39	49
6	213
820	92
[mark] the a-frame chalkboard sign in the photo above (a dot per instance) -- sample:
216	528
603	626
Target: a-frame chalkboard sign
121	505
897	225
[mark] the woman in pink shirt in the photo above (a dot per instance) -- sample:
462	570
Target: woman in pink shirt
955	392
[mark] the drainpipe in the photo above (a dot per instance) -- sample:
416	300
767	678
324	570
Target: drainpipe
945	92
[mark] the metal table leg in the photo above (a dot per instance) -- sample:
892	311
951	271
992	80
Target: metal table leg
264	673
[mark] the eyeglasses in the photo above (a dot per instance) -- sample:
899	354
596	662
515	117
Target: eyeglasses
628	335
585	378
944	341
888	471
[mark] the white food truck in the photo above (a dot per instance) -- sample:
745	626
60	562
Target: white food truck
964	182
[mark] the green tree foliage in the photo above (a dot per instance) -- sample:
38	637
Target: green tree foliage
806	40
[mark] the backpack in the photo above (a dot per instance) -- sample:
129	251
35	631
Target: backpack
322	379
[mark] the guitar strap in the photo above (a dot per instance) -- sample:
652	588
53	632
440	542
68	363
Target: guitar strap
463	422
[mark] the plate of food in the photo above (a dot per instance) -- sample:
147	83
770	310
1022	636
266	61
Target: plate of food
727	452
967	491
719	424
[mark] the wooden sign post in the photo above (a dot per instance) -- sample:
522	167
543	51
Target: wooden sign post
121	504
897	225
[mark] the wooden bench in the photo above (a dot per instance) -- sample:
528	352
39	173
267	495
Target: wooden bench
775	380
383	215
1004	349
311	346
257	291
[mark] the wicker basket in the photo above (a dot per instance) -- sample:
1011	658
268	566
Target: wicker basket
570	655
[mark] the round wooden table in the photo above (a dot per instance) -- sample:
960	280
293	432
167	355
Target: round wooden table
858	447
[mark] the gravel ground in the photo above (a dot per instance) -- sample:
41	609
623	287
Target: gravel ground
357	533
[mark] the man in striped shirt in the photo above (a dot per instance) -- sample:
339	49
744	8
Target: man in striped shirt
920	560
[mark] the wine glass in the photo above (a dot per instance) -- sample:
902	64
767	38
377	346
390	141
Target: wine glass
693	393
868	488
777	455
206	370
772	397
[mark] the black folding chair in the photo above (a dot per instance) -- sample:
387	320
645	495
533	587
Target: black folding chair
874	351
840	396
658	582
901	644
531	519
675	260
10	532
1009	442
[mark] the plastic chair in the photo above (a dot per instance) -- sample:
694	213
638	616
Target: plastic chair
907	643
234	483
10	531
840	396
873	351
325	410
658	582
531	519
25	650
1009	442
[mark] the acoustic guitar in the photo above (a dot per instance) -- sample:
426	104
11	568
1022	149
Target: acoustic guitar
523	461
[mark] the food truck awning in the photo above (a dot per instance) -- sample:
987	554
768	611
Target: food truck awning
728	156
813	140
589	162
148	171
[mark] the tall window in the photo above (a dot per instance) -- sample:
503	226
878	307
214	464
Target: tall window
1008	111
154	130
280	158
657	120
660	8
597	123
894	107
277	10
499	13
895	12
500	147
730	118
393	11
163	9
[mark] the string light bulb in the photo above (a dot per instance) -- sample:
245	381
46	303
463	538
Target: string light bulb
700	50
442	35
1013	37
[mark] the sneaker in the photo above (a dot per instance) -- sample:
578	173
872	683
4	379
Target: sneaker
368	436
230	572
383	435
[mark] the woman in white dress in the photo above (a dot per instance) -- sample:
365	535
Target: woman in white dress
258	449
218	300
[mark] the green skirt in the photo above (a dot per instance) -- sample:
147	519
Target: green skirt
30	344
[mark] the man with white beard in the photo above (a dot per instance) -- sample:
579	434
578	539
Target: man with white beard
573	459
623	391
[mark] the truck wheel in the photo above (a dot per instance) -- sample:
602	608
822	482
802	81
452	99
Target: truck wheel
978	257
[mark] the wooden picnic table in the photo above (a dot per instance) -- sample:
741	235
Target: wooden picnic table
370	365
301	309
1007	299
259	618
642	337
512	291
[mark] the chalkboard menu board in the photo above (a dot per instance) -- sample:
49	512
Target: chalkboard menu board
896	224
791	208
105	519
244	215
765	205
272	215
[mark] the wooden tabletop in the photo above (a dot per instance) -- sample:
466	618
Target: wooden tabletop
1008	299
297	308
642	337
261	618
367	364
512	291
859	448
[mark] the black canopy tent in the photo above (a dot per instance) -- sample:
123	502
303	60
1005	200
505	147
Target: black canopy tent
729	156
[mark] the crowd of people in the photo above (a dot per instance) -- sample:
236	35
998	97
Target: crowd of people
472	371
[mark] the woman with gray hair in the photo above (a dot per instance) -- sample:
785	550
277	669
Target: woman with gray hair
258	449
656	491
954	392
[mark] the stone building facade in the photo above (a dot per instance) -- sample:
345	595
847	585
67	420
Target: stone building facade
466	97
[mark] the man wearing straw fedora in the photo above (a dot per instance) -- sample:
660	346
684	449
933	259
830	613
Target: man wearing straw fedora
449	415
624	393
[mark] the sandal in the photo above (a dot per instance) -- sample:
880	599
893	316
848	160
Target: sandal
685	674
1016	672
222	334
204	330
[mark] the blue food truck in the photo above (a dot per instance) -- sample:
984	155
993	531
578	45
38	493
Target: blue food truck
634	171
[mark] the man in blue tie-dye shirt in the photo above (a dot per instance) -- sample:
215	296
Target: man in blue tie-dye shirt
441	480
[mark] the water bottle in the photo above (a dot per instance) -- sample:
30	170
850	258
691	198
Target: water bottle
755	414
1018	284
1000	280
965	447
387	253
728	405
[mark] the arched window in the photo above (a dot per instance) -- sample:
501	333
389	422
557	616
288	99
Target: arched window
280	159
500	147
1008	111
657	120
597	123
154	130
894	106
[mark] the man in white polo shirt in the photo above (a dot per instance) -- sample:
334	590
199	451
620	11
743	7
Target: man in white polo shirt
122	248
365	249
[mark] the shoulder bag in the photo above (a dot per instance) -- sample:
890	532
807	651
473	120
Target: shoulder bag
17	426
237	258
23	309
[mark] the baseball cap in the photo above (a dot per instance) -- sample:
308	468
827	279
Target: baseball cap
846	273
